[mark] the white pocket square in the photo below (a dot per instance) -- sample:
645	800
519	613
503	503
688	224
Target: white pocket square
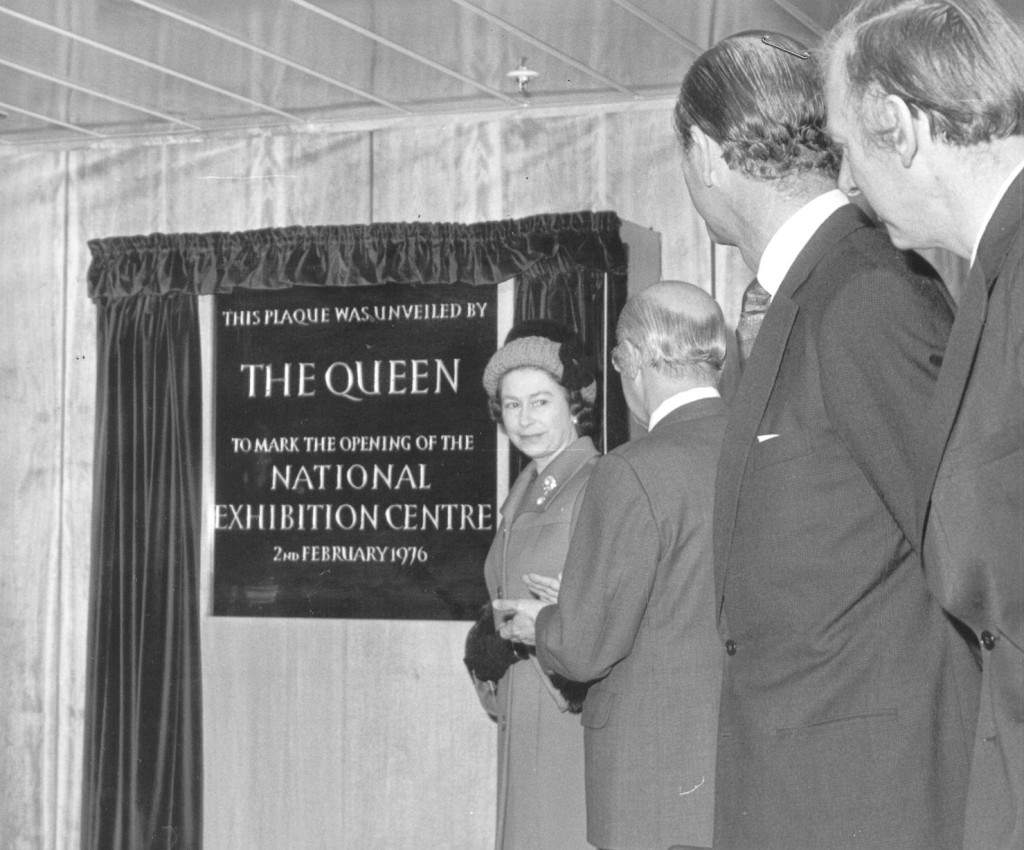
763	437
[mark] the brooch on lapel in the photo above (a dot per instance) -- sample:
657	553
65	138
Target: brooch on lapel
547	485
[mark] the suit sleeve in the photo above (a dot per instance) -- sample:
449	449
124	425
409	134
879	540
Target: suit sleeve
881	343
607	578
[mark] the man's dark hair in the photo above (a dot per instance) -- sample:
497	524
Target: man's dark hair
764	106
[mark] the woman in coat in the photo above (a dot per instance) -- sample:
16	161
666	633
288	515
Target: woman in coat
541	390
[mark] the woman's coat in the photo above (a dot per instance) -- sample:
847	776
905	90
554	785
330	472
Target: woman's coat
541	799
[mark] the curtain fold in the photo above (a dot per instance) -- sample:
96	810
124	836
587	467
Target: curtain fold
142	756
142	786
584	300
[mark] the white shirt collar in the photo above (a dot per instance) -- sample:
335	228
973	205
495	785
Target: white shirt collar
678	400
790	239
992	210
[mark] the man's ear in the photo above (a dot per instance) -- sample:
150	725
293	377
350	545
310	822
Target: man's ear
631	364
707	154
905	127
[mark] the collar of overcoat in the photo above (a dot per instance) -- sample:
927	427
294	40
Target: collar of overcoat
561	470
758	380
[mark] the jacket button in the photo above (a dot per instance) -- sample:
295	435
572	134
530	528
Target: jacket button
730	647
988	640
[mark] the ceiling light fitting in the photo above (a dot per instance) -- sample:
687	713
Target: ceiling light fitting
522	75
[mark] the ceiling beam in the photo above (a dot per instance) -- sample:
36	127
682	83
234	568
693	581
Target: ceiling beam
276	57
93	93
405	51
441	114
664	29
162	69
47	119
544	46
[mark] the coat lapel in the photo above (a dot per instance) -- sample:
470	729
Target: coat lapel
758	381
517	493
741	428
533	494
949	389
1001	237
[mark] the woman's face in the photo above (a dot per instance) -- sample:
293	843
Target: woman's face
535	413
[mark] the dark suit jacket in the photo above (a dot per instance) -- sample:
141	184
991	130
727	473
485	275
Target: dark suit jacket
636	611
848	699
974	532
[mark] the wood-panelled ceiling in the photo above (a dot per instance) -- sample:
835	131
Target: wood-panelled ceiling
76	71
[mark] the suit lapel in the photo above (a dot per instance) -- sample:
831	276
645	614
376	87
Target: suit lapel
758	381
741	427
950	387
1001	237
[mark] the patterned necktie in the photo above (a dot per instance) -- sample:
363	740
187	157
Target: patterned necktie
755	303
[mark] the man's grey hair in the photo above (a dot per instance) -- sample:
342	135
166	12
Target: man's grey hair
959	62
687	343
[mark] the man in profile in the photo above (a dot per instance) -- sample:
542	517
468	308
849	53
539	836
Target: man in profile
847	699
635	610
927	100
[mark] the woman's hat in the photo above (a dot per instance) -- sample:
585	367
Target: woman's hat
543	344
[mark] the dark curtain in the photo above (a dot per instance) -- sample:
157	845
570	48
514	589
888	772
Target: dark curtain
142	785
143	750
537	247
589	302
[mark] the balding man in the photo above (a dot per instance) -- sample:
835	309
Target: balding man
635	612
927	101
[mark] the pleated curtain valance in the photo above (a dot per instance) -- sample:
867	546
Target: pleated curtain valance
542	246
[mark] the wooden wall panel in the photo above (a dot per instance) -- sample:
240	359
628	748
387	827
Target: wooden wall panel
38	641
438	171
544	159
327	734
319	734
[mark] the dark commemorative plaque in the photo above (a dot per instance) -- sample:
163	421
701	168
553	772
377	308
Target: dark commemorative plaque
355	460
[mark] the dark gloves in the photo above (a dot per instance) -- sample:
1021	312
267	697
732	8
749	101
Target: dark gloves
488	655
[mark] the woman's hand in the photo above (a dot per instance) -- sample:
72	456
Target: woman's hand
517	618
544	588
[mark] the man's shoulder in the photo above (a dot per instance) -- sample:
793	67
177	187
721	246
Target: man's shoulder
863	274
868	251
677	438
